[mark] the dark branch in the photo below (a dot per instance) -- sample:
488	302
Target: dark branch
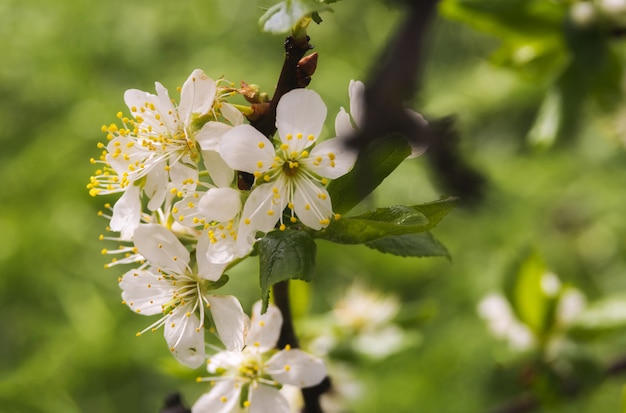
451	171
394	82
296	73
174	404
292	76
311	395
287	332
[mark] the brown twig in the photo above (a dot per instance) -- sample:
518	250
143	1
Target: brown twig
296	73
290	78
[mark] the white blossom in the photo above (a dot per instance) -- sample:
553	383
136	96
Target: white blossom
159	145
250	378
294	174
502	323
217	212
167	285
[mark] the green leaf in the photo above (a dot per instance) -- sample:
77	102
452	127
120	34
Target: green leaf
507	19
600	318
538	59
531	32
545	130
436	211
533	293
375	162
285	255
422	244
385	222
596	64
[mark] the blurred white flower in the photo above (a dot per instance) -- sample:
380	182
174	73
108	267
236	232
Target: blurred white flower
250	377
571	304
501	321
363	309
346	388
362	319
583	13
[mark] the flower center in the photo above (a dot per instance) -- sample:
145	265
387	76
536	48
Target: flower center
186	290
291	160
250	369
290	167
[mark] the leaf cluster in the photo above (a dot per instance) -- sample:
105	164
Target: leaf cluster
574	63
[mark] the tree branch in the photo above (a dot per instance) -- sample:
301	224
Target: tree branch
291	77
395	81
296	73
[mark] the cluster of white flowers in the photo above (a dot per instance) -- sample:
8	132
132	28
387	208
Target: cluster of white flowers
503	322
361	320
182	221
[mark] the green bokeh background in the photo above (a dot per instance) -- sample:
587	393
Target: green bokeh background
66	343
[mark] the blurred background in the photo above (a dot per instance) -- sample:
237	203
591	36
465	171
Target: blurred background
555	183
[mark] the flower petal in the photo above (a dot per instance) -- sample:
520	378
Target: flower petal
143	106
356	91
246	149
312	204
222	398
343	126
220	204
221	174
187	211
144	292
161	248
296	367
196	96
264	328
122	153
300	116
216	249
417	149
231	114
246	237
264	399
155	186
183	175
230	320
165	108
185	336
127	213
210	135
261	211
332	158
226	361
207	268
